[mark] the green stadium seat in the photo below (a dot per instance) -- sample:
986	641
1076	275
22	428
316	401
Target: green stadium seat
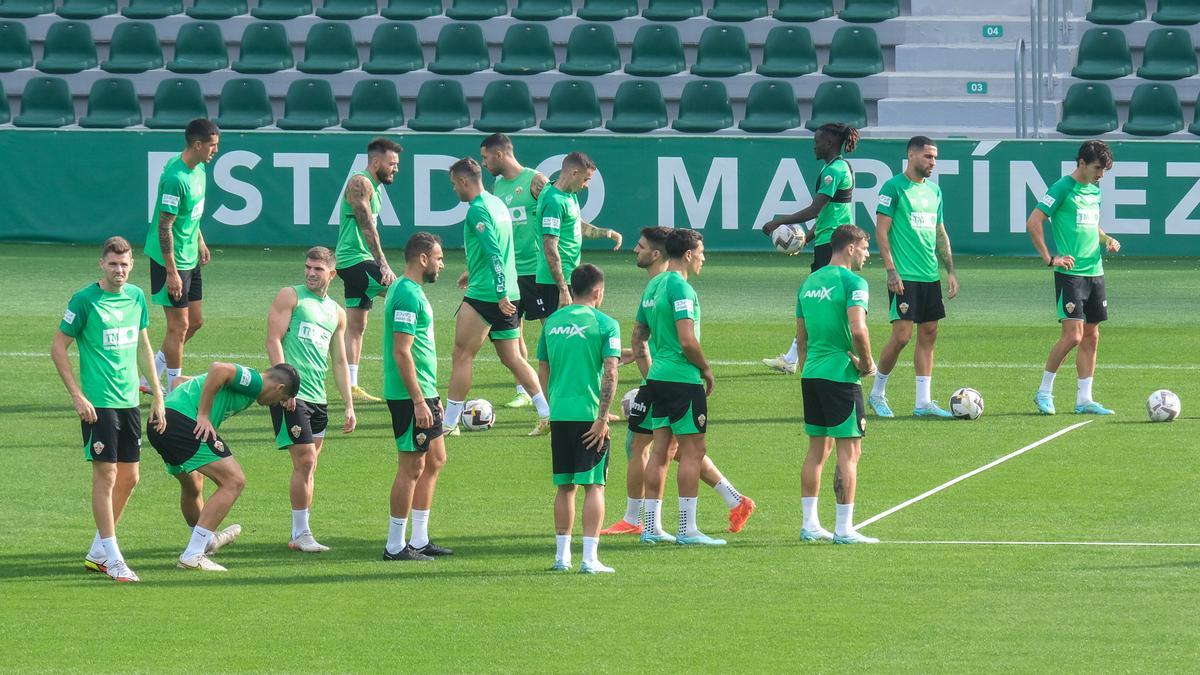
244	104
1177	13
870	11
657	52
526	50
15	51
177	101
1154	110
1088	110
68	48
1194	127
803	10
395	49
460	50
5	113
374	106
411	10
152	9
591	50
281	10
1117	12
855	52
607	10
441	106
112	104
25	9
703	108
541	10
1103	55
737	10
788	52
134	49
722	52
1169	55
476	10
672	10
573	108
87	9
638	108
309	106
329	49
506	107
265	49
199	48
213	10
837	102
46	102
347	9
770	108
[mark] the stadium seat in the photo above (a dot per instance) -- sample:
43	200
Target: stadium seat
5	113
25	9
134	49
441	106
112	104
1177	13
573	108
244	105
855	52
770	108
411	10
1117	12
460	50
347	9
68	48
1194	127
152	9
657	52
87	9
177	101
374	106
607	10
591	50
541	10
1154	110
1088	110
803	10
15	51
213	10
870	11
1169	55
309	106
476	10
1103	55
672	10
526	50
265	49
281	10
703	108
46	102
506	107
395	49
737	10
199	48
837	102
788	52
638	108
722	52
329	49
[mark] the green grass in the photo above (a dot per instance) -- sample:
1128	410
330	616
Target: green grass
763	602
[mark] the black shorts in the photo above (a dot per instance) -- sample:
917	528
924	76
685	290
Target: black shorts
679	406
301	426
193	286
410	437
180	449
544	301
921	301
1080	297
116	436
574	462
503	327
822	254
833	409
639	411
529	306
362	282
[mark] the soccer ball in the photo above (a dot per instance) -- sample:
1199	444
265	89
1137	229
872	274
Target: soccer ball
627	402
788	238
966	404
1163	406
478	415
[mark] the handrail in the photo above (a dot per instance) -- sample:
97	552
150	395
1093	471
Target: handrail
1019	98
1038	49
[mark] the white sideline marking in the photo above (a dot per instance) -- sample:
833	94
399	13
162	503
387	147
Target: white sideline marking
1048	543
985	467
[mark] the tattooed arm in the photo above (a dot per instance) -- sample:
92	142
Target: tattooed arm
594	438
359	192
590	231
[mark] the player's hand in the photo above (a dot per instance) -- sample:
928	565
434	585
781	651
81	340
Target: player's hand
617	238
864	367
205	254
564	297
593	439
613	417
1112	245
894	283
506	307
951	286
204	430
462	280
536	184
386	275
351	421
1064	261
158	416
290	404
709	382
422	415
770	226
174	284
86	411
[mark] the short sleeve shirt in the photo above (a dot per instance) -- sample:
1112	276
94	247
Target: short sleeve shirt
522	209
575	342
558	214
232	398
1074	212
407	310
107	328
491	262
821	303
836	181
673	299
180	193
916	212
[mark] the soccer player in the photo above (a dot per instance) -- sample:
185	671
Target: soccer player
835	351
191	448
303	327
1072	205
175	245
912	239
832	206
652	257
361	263
109	319
488	310
410	387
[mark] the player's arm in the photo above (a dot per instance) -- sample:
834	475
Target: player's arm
490	244
861	339
544	375
1110	244
1035	226
594	438
341	371
944	254
58	354
802	216
205	254
590	231
552	215
407	366
639	342
536	184
801	343
219	375
145	358
686	329
883	228
166	244
278	318
359	192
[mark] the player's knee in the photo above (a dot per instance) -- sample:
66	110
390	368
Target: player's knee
194	324
178	327
128	481
306	464
235	483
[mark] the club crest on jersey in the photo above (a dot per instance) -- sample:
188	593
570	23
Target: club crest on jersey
97	448
1070	307
821	294
518	190
420	439
295	431
480	226
904	308
828	180
701	420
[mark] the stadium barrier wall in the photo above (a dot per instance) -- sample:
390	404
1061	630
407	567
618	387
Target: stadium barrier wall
277	188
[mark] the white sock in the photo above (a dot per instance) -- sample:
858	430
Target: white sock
845	519
590	544
793	353
160	366
808	505
633	510
353	374
112	552
563	544
1084	394
651	516
540	404
1047	383
420	534
172	373
687	517
397	528
521	390
197	543
453	413
299	522
879	388
923	386
729	493
96	552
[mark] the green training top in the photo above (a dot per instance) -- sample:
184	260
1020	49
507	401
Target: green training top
1074	211
107	327
231	399
351	246
822	302
575	342
491	265
407	310
916	211
180	193
558	212
663	303
522	209
306	342
837	181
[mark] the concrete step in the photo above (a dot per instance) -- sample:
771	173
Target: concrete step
971	8
966	58
950	84
954	112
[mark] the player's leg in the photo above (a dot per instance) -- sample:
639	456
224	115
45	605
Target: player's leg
230	481
845	484
740	506
819	448
195	313
1095	310
637	449
898	339
564	520
692	448
1069	339
408	472
593	517
422	502
510	356
923	365
300	493
172	344
844	420
470	331
191	497
522	398
654	482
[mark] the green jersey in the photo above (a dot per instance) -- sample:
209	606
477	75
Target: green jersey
1074	212
306	342
575	342
558	212
522	209
669	298
231	399
836	181
822	303
491	265
107	327
351	246
181	194
916	212
407	310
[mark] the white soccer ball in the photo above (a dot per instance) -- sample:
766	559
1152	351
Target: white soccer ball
1163	406
627	402
478	415
788	238
966	404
